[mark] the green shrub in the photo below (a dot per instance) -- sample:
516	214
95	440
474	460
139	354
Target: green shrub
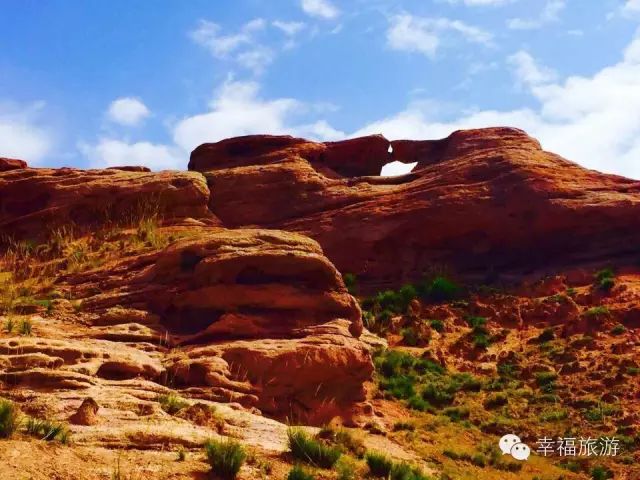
423	365
419	404
379	465
351	282
399	426
47	430
401	386
441	289
409	337
466	382
507	370
9	325
457	414
633	371
495	400
344	439
346	469
546	378
595	312
437	325
554	415
407	293
299	473
476	323
570	465
481	341
601	473
600	412
172	403
438	394
404	471
479	460
390	300
309	450
605	279
383	320
479	332
618	330
547	335
9	418
394	362
225	457
26	327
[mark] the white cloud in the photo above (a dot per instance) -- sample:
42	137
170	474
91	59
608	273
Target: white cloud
528	71
208	34
320	8
21	134
425	35
237	109
242	46
631	7
289	28
127	111
550	13
112	153
320	130
592	120
257	59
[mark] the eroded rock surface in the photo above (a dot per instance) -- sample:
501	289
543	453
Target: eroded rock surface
252	316
35	202
479	201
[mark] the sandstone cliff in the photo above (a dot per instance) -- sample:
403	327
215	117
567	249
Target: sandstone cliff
478	202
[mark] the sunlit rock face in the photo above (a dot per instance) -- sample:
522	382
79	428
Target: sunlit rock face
479	201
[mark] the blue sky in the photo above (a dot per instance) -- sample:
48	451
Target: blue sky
96	83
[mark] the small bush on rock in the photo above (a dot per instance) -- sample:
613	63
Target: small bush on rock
299	473
379	465
309	450
9	418
172	403
225	457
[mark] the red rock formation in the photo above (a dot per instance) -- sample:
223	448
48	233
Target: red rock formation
480	201
259	317
33	202
7	164
131	168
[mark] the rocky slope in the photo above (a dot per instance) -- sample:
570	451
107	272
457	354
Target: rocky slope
483	202
147	312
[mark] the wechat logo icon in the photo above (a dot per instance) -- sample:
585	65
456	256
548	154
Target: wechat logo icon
512	445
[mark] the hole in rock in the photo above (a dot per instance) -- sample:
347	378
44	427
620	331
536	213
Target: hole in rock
397	168
116	371
189	260
187	321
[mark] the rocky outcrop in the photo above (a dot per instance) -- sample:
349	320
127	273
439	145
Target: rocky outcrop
7	164
35	202
479	201
254	316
